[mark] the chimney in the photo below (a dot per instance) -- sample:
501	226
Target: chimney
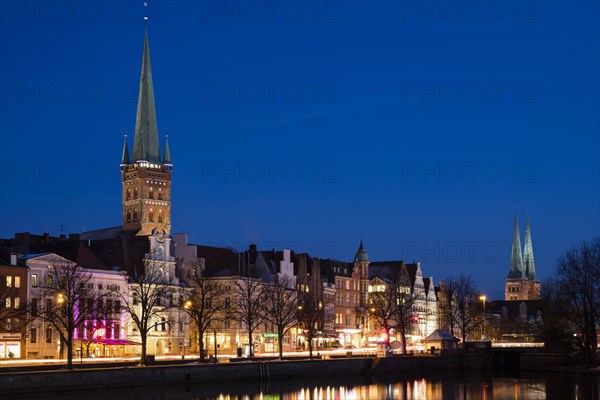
13	259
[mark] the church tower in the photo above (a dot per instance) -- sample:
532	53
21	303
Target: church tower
529	264
517	286
360	273
521	283
146	176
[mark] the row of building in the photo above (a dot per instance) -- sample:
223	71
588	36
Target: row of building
342	287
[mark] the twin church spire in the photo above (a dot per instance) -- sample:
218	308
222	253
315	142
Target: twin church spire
521	283
145	142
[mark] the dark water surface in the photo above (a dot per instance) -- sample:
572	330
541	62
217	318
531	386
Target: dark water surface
465	386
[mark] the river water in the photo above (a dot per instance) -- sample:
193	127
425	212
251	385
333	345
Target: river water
451	386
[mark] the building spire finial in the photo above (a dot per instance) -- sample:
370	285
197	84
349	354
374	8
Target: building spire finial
528	261
516	258
145	141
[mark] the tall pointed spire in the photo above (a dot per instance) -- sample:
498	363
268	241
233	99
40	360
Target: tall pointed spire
125	158
167	154
528	261
516	259
361	254
145	142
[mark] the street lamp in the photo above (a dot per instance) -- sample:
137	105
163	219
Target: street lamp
483	298
60	298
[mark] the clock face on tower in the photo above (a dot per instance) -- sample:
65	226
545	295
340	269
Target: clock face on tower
160	237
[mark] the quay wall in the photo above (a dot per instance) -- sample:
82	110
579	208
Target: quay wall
61	381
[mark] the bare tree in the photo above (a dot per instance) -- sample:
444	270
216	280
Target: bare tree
70	302
406	296
557	329
462	305
248	308
578	274
382	301
149	292
205	303
279	308
311	318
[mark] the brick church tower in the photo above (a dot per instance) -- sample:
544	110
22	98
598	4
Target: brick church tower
146	176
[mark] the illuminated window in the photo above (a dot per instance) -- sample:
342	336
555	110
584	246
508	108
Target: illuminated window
128	215
151	216
9	281
34	280
8	302
17	281
17	302
128	194
135	193
160	217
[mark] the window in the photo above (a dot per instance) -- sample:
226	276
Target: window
9	281
34	280
128	215
33	335
134	216
227	323
117	331
163	324
135	194
17	302
8	324
48	335
227	302
17	281
180	326
34	307
100	287
8	302
128	194
135	299
49	280
151	216
160	217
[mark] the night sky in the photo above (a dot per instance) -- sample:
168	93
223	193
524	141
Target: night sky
416	126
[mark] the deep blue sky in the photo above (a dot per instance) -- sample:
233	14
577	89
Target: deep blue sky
418	126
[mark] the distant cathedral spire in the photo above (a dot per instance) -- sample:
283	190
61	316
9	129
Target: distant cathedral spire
167	154
516	259
145	142
528	261
125	158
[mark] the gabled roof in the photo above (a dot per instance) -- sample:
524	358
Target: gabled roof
441	335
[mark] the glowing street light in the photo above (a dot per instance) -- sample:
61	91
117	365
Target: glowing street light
60	299
483	298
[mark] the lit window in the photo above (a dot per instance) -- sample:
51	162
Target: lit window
8	302
9	281
34	280
17	281
17	302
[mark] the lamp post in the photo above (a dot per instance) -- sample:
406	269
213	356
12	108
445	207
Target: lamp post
483	298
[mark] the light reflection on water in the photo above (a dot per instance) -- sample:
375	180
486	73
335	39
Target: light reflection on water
450	386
